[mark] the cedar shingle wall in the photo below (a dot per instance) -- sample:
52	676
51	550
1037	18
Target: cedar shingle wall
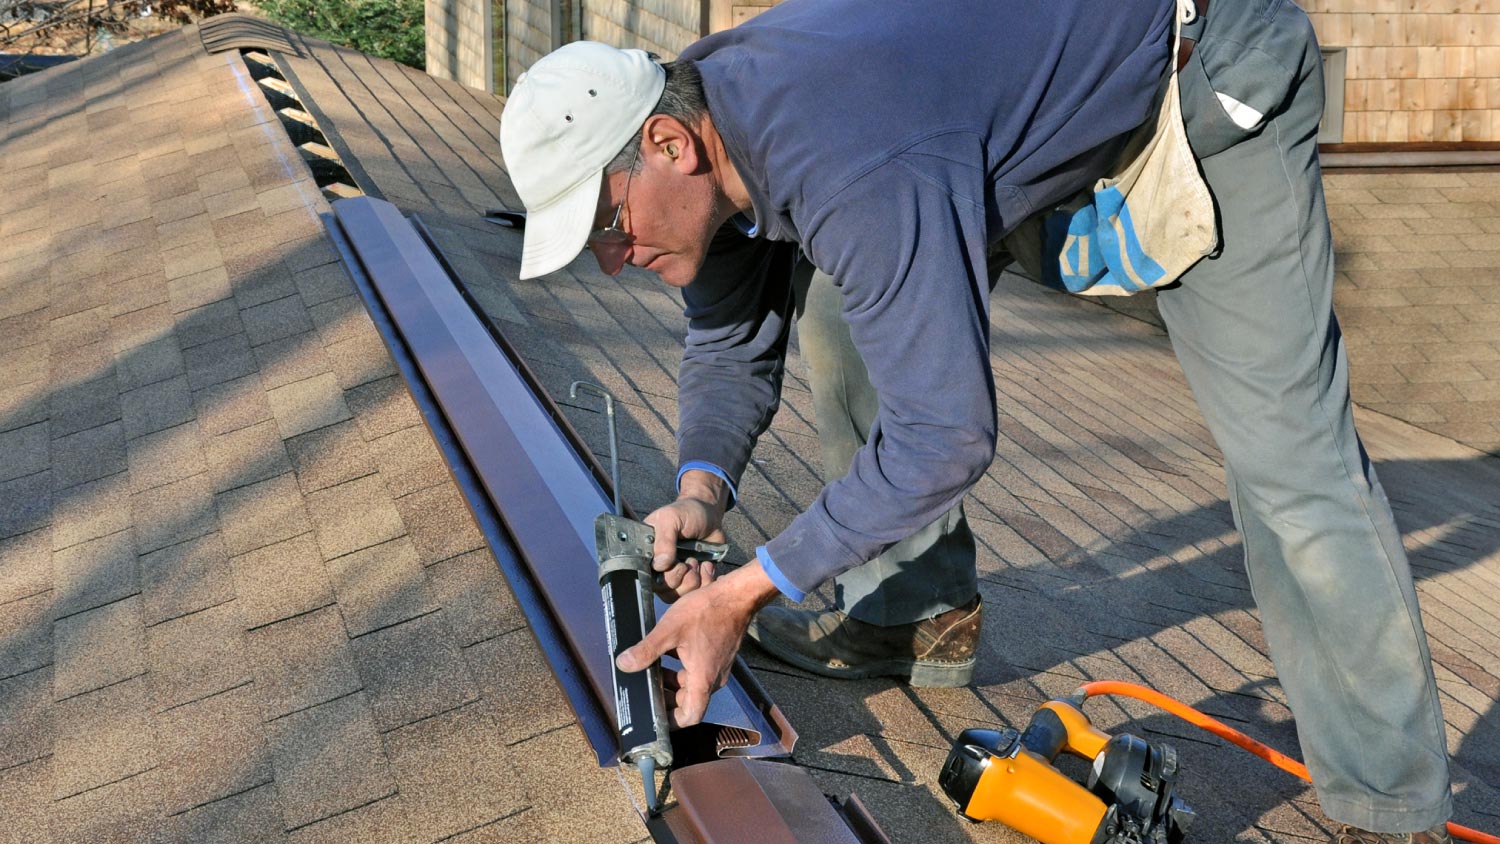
1417	70
723	14
664	27
528	35
473	43
463	43
458	41
439	30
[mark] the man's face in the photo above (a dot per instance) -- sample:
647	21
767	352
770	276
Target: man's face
666	218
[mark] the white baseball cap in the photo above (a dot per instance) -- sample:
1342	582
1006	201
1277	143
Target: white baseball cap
567	117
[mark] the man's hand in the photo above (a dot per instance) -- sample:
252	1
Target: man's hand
698	513
703	630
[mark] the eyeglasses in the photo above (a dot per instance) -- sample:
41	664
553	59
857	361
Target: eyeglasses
612	234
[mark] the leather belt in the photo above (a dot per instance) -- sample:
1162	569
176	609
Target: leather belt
1186	44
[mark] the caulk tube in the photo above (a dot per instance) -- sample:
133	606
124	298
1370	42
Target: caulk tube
640	706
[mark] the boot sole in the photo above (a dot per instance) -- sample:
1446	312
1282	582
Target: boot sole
919	673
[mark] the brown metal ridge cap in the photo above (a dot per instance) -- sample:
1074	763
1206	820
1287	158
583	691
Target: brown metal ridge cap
756	801
575	439
545	494
753	695
597	726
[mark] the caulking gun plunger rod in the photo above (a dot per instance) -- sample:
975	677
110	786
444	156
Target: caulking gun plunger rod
625	581
614	451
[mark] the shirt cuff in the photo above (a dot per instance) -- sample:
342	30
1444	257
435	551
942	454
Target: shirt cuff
706	466
784	585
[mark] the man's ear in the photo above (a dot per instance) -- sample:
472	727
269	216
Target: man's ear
667	136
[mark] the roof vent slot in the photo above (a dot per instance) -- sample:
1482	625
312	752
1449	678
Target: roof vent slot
324	164
301	127
261	65
279	94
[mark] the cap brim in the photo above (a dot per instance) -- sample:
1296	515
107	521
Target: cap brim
556	234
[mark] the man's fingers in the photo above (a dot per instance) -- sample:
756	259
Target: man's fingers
686	695
668	530
649	650
677	710
692	703
682	519
703	630
677	575
684	577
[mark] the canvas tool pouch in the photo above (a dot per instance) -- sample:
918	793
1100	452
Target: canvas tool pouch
1143	225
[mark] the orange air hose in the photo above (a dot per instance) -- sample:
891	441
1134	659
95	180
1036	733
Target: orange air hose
1233	736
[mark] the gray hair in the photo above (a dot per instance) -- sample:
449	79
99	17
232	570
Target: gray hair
682	98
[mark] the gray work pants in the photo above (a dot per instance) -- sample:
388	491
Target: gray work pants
1254	330
931	571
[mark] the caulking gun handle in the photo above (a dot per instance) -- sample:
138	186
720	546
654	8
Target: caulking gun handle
702	551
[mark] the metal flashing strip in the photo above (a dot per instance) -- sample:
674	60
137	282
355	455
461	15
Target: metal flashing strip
1416	154
1478	158
544	493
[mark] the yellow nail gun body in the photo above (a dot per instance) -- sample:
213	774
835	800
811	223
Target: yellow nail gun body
1009	776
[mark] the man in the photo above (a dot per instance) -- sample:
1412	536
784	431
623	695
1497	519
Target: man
894	145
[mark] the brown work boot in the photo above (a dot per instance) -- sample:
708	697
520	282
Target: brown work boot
1350	835
937	652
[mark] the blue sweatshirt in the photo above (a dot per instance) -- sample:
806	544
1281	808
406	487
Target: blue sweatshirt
895	140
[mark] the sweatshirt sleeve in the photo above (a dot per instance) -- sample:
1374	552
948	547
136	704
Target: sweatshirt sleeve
906	244
729	384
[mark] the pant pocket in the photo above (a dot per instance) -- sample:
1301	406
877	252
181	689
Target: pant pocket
1249	64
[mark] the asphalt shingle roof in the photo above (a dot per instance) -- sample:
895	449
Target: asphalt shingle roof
240	600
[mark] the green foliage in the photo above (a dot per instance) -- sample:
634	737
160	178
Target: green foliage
390	29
